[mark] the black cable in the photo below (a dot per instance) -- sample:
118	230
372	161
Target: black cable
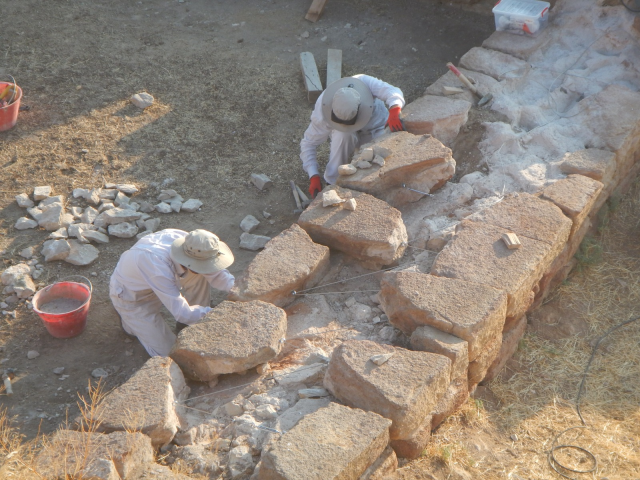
628	7
553	461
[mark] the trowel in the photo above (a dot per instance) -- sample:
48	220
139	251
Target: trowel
484	99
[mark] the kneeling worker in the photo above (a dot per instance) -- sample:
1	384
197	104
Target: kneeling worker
171	268
352	112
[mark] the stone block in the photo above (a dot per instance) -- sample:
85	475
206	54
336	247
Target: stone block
479	367
40	193
55	217
519	46
233	337
439	116
333	442
24	201
55	250
455	396
591	162
430	339
405	388
470	311
484	83
249	223
249	241
412	447
261	181
385	465
95	456
147	402
81	254
575	196
477	254
191	205
510	340
374	233
419	161
493	63
289	261
309	316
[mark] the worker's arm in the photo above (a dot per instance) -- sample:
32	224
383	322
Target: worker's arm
222	280
161	279
316	134
386	92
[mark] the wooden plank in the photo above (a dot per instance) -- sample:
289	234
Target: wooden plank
334	65
310	76
315	10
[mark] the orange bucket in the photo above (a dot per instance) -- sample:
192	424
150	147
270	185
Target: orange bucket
63	307
9	114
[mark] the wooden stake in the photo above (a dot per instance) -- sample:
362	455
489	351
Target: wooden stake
310	76
315	10
334	65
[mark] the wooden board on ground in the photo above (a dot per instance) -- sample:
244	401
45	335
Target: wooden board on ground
315	10
334	65
310	76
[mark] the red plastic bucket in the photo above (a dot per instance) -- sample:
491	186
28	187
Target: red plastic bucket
64	324
9	114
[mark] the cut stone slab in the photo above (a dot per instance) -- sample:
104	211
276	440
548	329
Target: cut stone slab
519	46
233	337
374	233
510	340
25	223
575	196
289	261
55	250
261	181
430	339
147	402
404	389
40	193
455	396
249	223
94	455
24	201
249	241
477	254
333	442
123	230
493	63
439	116
383	467
119	215
484	83
475	313
479	367
309	316
420	162
591	162
191	205
81	254
55	217
415	444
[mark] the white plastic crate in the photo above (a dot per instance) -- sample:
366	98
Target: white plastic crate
524	17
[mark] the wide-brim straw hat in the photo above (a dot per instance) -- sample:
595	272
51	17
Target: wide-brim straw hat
201	251
366	104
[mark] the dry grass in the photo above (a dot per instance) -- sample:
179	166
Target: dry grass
537	402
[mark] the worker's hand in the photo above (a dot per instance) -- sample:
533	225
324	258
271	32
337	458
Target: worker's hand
314	186
394	123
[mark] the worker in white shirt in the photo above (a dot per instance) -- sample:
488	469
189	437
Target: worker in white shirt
352	112
171	268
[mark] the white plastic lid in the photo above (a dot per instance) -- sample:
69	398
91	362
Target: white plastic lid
527	8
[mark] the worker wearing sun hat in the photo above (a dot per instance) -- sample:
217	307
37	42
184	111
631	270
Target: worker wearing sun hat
171	268
352	112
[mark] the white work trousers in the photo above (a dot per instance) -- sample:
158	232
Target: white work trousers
342	147
140	312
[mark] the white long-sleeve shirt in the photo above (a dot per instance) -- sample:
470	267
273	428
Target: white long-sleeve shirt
319	131
148	265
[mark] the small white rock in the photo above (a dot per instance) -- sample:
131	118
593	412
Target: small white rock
163	208
40	193
99	373
31	354
378	160
367	154
330	198
24	201
382	358
142	100
191	205
347	169
351	204
25	223
261	181
249	223
27	252
363	164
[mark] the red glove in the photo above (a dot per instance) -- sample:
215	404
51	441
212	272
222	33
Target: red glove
394	123
315	186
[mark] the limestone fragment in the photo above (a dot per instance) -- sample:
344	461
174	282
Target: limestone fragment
249	223
439	116
24	287
149	402
176	205
55	250
95	236
127	188
121	199
332	442
163	207
351	204
118	215
331	198
24	201
25	223
35	212
381	358
81	254
233	337
249	241
261	181
54	218
89	215
123	230
191	205
40	193
347	169
290	261
363	164
142	100
430	339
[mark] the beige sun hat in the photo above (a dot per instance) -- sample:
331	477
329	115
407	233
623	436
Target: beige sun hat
201	251
347	104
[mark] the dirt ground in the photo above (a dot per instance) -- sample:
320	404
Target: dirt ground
229	102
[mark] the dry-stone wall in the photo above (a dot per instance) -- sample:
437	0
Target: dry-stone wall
330	408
